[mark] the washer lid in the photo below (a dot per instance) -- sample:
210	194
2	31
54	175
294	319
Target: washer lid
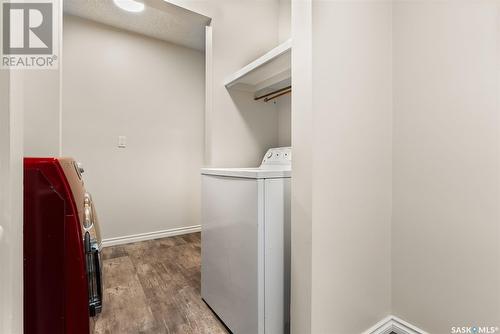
268	172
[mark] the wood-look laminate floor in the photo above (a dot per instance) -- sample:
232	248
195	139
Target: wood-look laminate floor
154	287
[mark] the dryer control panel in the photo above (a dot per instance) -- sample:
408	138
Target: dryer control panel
278	156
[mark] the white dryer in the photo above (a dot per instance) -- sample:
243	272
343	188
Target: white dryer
246	244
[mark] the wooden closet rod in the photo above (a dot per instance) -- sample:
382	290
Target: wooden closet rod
272	93
267	99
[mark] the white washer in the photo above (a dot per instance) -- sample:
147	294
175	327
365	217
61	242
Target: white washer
246	244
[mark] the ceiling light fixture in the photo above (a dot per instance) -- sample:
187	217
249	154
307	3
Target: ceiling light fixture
130	5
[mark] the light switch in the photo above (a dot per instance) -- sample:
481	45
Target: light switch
122	141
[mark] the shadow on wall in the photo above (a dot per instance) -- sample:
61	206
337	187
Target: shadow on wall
260	118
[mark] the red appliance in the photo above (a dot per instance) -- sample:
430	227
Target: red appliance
62	244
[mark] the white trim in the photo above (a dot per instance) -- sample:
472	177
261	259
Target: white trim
150	235
382	327
11	199
396	325
60	60
209	94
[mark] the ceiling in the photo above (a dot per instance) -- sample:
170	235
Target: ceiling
160	19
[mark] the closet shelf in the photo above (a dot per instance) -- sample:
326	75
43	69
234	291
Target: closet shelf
271	71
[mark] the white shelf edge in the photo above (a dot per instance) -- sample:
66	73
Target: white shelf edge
274	53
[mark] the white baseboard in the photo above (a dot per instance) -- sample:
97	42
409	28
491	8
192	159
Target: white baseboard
150	235
396	325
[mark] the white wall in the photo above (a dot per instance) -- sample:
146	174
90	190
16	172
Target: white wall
4	160
284	105
42	135
446	230
302	167
345	131
284	20
41	113
240	130
421	79
117	83
11	201
352	176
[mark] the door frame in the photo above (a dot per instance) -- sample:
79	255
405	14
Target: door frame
11	201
